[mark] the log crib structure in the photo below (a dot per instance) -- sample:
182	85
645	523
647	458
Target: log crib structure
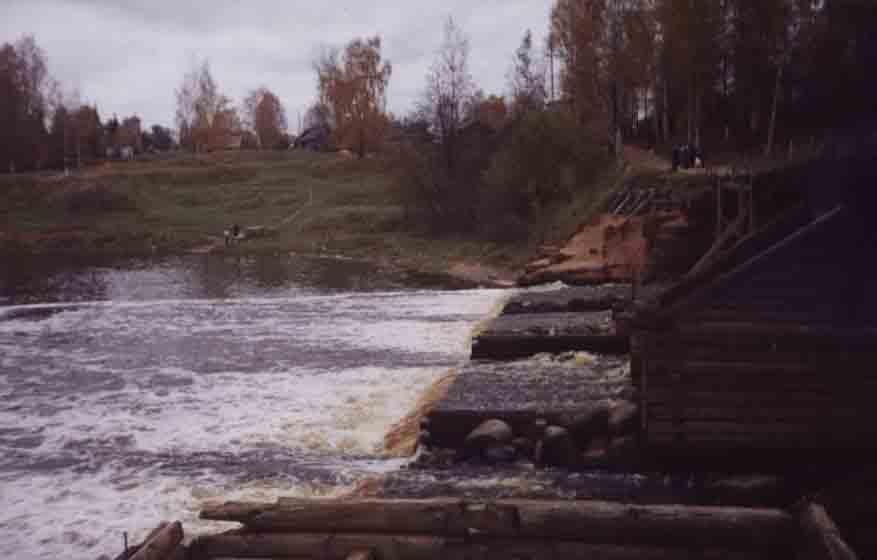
762	354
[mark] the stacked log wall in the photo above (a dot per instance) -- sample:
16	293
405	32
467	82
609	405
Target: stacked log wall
776	354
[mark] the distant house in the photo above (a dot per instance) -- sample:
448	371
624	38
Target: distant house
120	152
314	139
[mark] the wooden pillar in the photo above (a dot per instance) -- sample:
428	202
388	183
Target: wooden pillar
718	207
753	224
821	538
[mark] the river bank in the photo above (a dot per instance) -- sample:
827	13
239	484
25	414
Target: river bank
318	206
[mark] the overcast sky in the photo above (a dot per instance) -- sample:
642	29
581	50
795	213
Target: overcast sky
128	56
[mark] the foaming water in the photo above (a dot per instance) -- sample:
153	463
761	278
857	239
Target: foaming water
159	398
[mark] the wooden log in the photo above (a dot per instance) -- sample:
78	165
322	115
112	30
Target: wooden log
361	516
362	555
728	346
341	546
587	521
822	539
803	331
753	415
502	549
508	347
739	273
808	429
162	544
326	546
665	393
797	392
127	554
675	352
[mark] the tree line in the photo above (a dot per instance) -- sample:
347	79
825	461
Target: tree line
722	74
43	127
735	74
732	76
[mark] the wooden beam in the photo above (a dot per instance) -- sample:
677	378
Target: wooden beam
326	546
822	539
586	521
727	278
162	544
507	347
341	546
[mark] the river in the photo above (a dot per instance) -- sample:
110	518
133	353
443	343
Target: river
137	391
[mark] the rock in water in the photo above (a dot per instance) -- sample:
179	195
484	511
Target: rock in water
489	432
596	456
587	424
558	448
624	452
498	453
623	419
524	446
536	430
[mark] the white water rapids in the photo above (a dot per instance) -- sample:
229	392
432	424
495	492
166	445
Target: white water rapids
121	413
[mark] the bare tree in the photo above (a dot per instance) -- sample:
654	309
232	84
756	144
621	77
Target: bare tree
527	78
204	116
449	87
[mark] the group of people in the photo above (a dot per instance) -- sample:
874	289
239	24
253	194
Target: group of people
687	156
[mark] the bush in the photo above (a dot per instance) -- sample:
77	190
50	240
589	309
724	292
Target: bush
544	158
503	181
98	198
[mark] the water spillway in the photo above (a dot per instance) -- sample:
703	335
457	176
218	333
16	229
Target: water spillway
134	394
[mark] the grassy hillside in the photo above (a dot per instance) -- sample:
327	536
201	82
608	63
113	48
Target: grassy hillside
311	203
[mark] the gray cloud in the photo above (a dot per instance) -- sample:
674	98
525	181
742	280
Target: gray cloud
129	55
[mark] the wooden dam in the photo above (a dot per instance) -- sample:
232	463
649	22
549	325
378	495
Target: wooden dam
758	358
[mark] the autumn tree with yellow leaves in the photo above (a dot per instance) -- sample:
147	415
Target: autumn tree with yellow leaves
352	84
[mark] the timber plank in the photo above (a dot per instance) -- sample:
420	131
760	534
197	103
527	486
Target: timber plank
572	299
754	415
522	391
593	522
516	336
670	396
811	430
510	347
822	538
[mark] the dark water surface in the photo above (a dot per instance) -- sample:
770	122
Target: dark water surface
137	391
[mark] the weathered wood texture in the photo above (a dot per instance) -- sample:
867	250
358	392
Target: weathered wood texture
161	544
522	391
584	521
325	546
389	547
770	347
368	554
569	300
822	539
517	336
794	386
